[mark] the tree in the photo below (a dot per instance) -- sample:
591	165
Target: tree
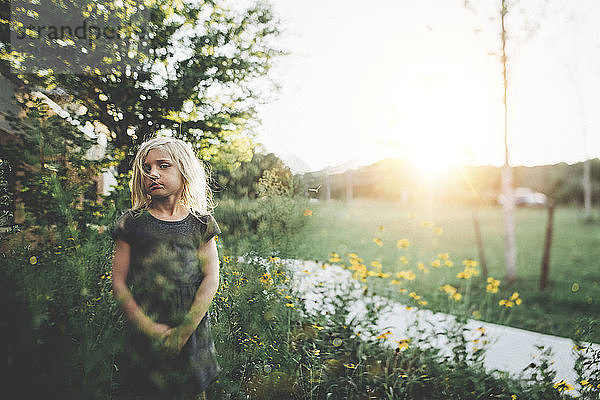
244	181
510	246
508	205
185	68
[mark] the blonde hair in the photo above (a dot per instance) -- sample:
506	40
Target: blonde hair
196	194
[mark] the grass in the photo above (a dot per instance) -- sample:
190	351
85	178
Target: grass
574	284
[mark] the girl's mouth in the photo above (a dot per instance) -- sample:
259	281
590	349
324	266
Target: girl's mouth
155	186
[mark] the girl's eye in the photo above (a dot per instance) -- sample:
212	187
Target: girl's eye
165	165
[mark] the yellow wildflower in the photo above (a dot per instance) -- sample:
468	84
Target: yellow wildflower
443	256
423	302
273	259
506	303
337	342
402	345
449	263
290	305
562	386
426	224
266	278
402	243
457	296
316	326
449	289
403	260
307	213
380	228
378	242
384	335
414	295
435	263
394	282
437	230
470	263
409	276
467	273
33	260
351	366
492	286
334	257
376	264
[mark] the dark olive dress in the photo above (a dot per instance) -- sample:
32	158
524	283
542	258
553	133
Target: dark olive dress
165	272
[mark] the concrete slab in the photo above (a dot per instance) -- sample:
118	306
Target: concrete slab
510	349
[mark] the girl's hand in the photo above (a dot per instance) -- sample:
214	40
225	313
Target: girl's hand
159	330
174	339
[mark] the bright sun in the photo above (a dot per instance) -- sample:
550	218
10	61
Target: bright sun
436	107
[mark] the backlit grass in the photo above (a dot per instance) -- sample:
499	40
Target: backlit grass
372	230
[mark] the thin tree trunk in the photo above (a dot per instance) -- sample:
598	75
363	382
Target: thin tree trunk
508	209
508	206
547	247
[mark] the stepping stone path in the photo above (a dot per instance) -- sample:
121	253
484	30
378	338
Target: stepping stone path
510	349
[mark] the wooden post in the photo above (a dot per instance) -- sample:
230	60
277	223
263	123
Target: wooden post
547	247
484	270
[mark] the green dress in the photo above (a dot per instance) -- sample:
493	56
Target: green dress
164	275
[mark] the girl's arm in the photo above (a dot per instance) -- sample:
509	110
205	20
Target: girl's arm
124	297
177	337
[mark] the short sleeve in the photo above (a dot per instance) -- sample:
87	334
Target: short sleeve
212	228
120	228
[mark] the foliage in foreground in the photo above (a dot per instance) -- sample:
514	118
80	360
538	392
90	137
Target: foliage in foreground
65	333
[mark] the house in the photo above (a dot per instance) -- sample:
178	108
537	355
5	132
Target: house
9	108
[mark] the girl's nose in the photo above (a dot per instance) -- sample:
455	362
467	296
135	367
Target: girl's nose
153	172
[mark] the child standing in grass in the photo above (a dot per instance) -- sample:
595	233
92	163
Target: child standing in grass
165	275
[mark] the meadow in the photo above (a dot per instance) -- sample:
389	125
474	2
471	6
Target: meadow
372	229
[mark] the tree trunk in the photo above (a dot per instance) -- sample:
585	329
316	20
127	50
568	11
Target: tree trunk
547	246
508	206
508	211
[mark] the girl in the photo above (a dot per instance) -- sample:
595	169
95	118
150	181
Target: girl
165	274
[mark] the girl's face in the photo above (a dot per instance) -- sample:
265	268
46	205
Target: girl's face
165	179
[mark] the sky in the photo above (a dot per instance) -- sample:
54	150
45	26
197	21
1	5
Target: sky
422	80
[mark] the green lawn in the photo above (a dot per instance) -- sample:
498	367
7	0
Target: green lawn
574	291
